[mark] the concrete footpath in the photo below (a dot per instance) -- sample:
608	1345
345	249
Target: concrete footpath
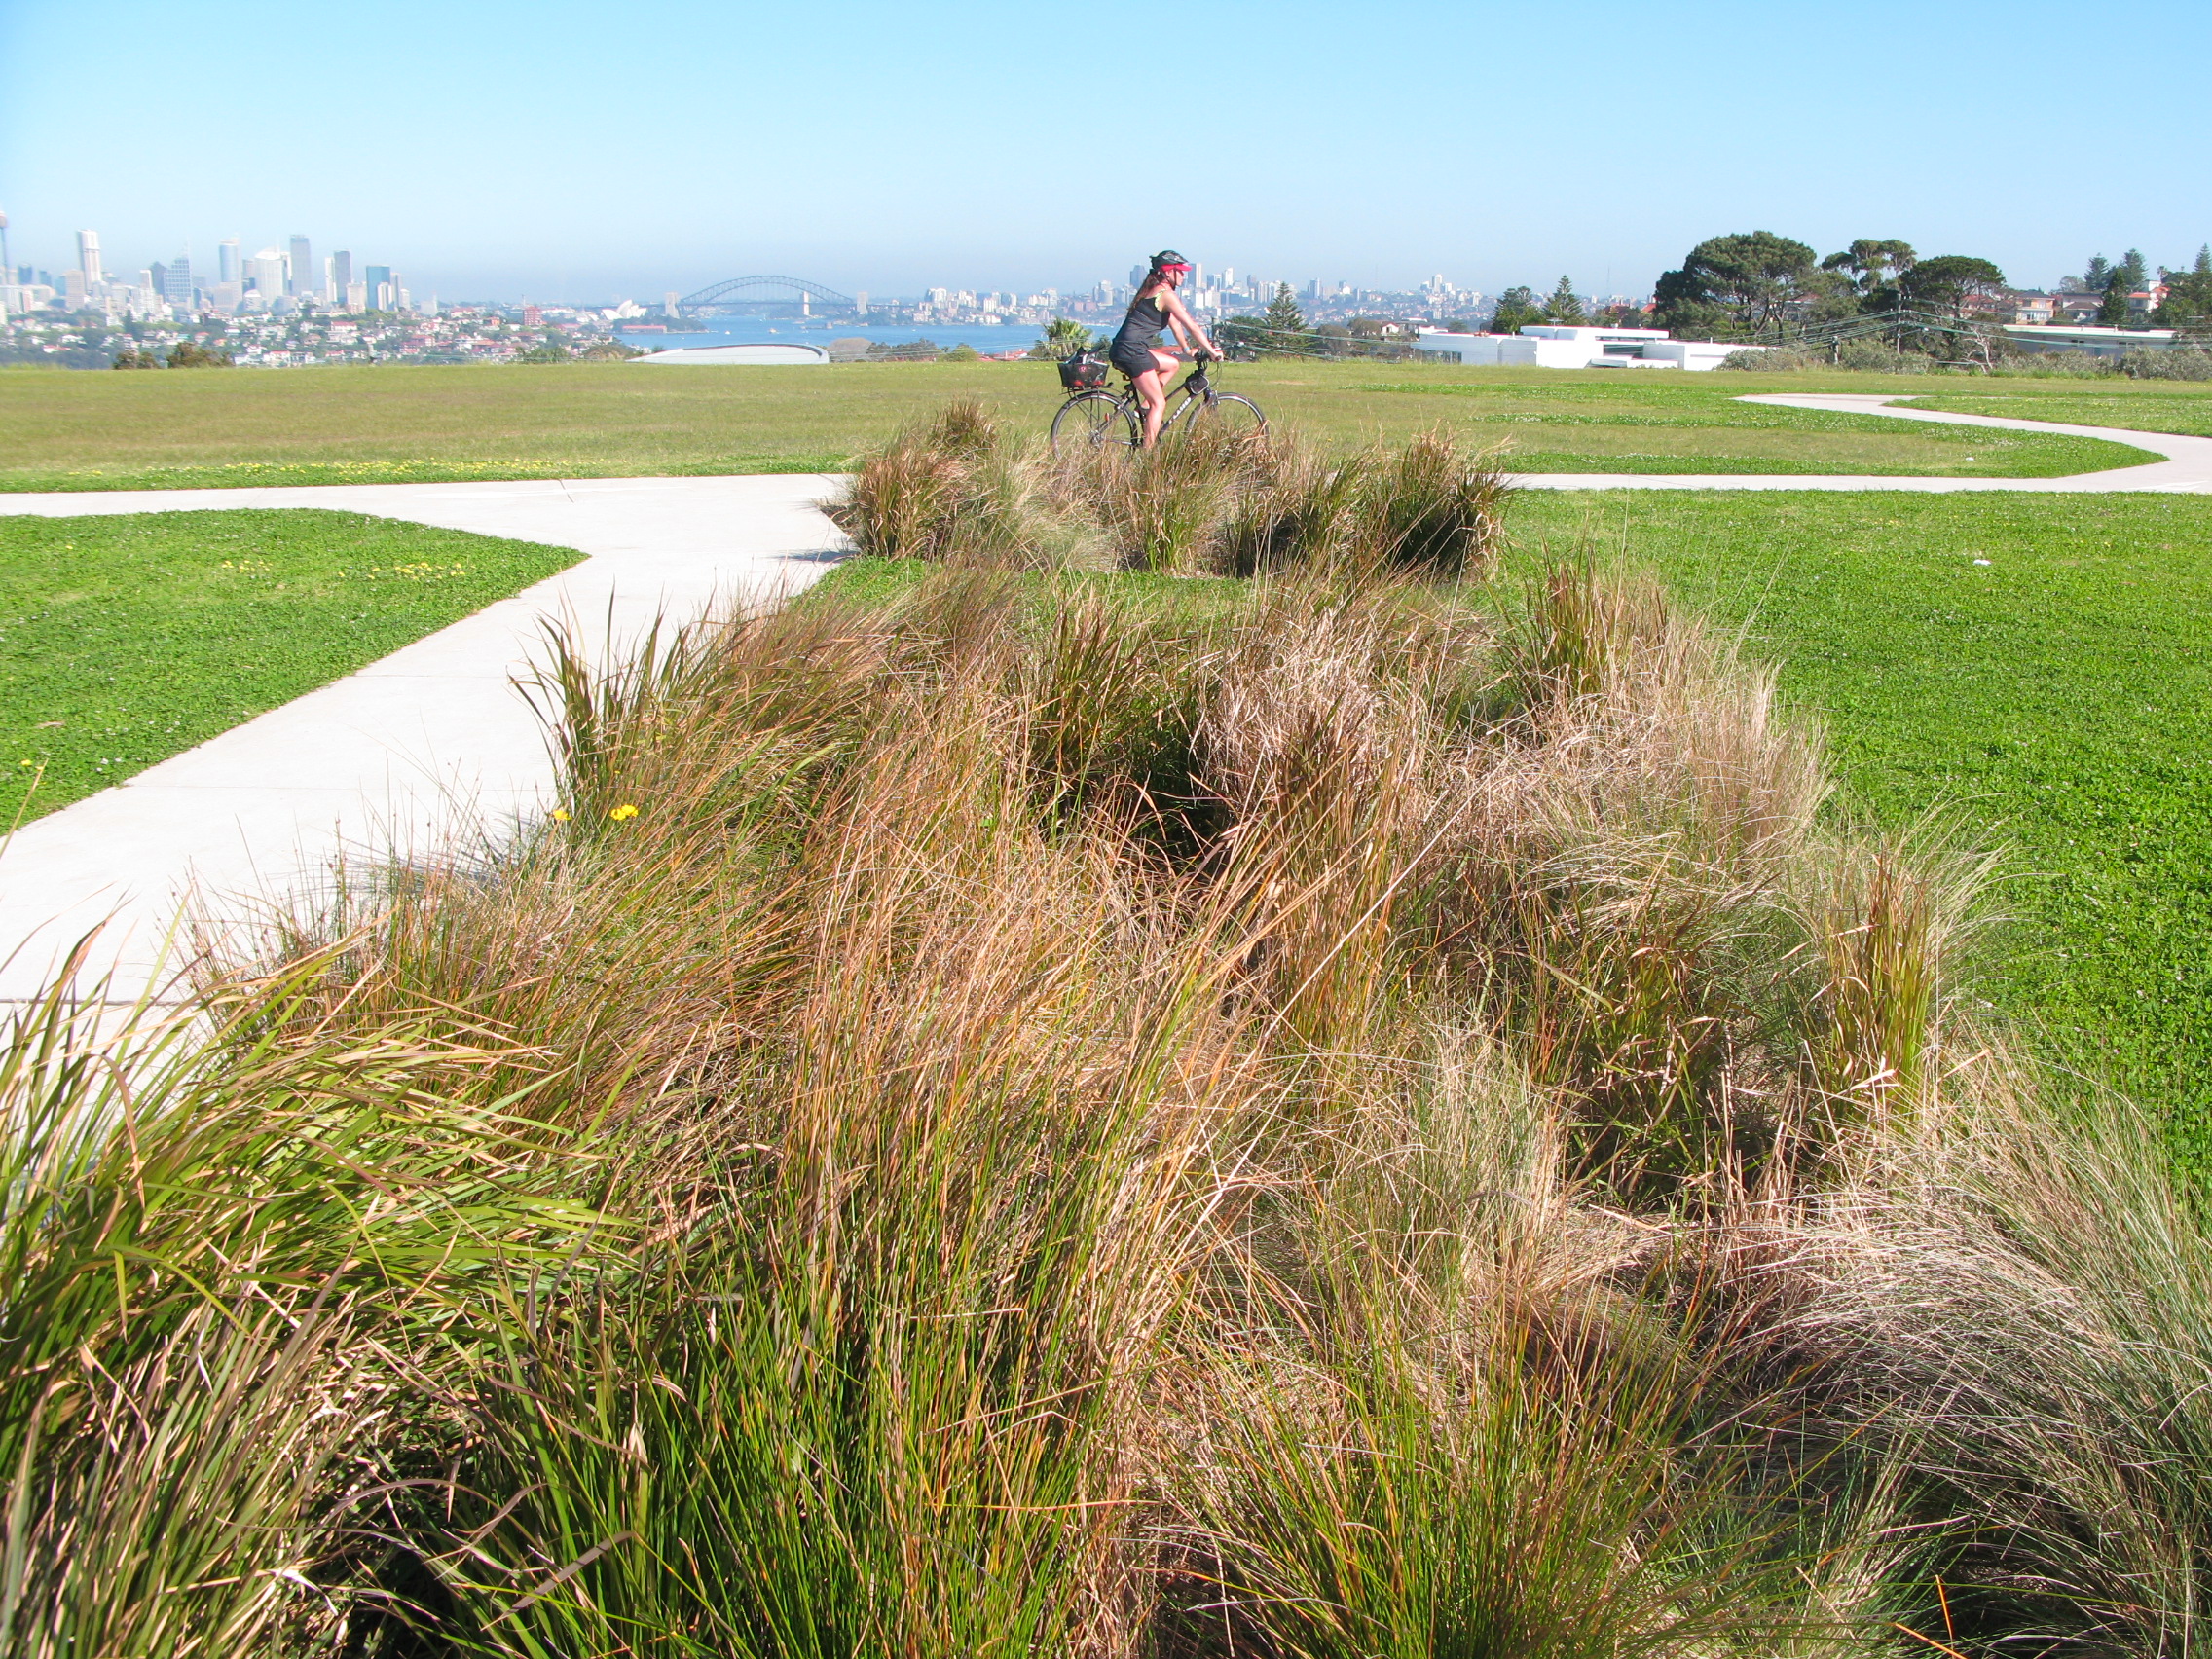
436	740
429	741
2187	467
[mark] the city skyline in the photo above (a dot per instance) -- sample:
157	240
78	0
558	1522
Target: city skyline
233	266
539	147
291	271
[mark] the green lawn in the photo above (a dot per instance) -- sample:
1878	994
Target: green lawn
2058	696
125	639
392	424
2142	406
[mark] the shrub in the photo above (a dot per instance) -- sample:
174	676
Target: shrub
2081	365
1007	1112
1431	510
1204	502
948	490
1776	360
2173	362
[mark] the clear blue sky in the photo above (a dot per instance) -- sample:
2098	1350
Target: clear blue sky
571	151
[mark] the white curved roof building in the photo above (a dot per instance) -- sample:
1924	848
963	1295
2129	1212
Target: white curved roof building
765	352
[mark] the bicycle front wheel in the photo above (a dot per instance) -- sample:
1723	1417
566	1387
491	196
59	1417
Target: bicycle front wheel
1229	415
1090	418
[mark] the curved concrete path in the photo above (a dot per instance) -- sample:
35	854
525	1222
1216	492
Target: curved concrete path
425	742
2187	468
434	738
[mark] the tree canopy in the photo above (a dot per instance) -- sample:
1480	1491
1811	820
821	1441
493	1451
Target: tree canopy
1872	268
1564	306
1743	281
1947	282
2121	281
1515	307
1062	339
2188	295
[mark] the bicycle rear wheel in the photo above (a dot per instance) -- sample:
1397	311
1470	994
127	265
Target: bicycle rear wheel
1090	418
1228	414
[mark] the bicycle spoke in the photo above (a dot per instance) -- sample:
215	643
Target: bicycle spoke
1093	418
1228	414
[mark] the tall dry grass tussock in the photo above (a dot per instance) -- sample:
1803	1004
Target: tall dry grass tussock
1324	1115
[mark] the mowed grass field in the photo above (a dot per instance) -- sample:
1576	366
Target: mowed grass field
2142	406
2056	698
127	639
389	424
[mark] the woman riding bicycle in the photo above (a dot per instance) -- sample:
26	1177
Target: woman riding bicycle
1136	350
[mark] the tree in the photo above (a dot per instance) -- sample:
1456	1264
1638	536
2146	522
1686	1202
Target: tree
187	355
2120	281
1515	307
2188	295
1564	306
552	352
1063	338
1949	282
1283	314
1741	283
2096	275
1872	269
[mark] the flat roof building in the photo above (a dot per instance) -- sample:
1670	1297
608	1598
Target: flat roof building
1553	346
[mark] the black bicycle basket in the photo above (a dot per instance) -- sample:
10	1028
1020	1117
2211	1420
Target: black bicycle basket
1083	372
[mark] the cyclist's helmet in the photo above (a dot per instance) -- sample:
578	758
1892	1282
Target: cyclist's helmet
1167	259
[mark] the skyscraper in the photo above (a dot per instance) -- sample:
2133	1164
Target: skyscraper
377	279
89	256
302	267
7	267
265	273
227	260
339	276
176	283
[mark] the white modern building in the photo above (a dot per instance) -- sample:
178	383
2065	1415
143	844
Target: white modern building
1547	346
2086	337
764	353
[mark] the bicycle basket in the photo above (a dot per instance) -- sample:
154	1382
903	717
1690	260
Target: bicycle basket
1083	372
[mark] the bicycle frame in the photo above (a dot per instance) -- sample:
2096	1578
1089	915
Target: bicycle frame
1196	392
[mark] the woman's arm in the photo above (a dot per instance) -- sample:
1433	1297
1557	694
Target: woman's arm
1185	325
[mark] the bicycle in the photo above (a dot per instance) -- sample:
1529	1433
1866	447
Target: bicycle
1095	416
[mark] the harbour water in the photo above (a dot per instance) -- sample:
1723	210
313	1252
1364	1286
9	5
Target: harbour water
816	331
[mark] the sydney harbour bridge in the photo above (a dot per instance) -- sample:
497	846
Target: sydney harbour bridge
770	296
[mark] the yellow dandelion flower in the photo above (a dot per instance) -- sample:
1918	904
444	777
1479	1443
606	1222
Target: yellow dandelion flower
560	815
625	810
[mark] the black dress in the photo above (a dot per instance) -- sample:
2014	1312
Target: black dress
1138	336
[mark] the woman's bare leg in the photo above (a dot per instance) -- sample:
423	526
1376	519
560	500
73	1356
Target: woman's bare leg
1152	392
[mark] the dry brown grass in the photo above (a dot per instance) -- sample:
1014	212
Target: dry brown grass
1324	1115
1204	503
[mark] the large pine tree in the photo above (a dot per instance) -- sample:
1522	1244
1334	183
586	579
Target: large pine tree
2124	279
1283	315
2189	296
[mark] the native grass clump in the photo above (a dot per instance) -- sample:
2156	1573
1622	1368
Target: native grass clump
1012	1110
957	490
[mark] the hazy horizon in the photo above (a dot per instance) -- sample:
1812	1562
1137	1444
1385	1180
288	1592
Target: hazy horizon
499	149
